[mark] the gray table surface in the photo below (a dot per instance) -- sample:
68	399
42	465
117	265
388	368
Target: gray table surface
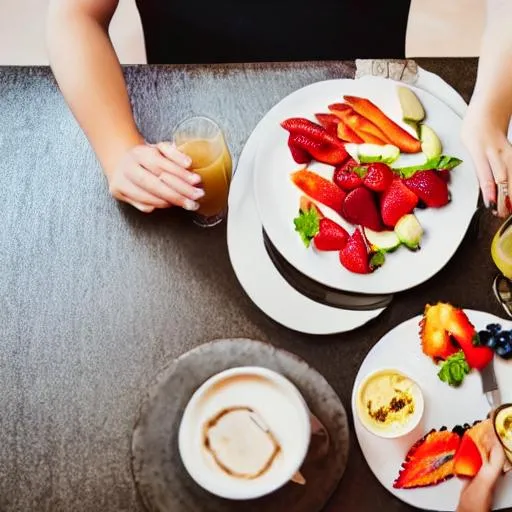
95	297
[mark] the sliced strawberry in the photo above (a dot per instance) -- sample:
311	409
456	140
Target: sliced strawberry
319	189
354	256
345	177
396	202
468	460
315	132
360	208
442	321
329	122
298	154
378	177
430	188
429	461
325	152
435	340
331	236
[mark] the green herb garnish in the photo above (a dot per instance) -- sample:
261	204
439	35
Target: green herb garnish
307	224
454	369
440	163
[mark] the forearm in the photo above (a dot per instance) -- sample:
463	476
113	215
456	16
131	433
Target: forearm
493	90
90	77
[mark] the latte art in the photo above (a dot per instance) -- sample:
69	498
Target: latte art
240	443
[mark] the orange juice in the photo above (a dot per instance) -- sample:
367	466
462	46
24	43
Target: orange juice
212	161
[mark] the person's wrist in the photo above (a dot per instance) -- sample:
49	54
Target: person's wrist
118	149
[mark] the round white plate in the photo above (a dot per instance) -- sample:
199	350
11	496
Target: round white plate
278	199
256	272
444	406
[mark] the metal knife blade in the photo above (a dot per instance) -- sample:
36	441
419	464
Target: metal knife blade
490	386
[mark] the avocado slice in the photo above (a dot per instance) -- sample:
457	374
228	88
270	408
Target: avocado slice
430	142
371	153
412	109
409	231
382	241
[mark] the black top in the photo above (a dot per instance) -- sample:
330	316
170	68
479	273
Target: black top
206	31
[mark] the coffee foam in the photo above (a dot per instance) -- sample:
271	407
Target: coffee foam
246	430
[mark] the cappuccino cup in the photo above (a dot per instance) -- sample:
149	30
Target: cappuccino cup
245	433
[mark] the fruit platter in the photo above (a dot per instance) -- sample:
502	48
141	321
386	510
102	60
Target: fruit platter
422	419
363	185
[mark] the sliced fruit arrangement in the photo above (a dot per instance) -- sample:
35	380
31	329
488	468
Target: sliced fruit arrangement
449	338
361	142
442	454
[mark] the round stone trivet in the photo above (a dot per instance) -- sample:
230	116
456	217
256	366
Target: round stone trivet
161	479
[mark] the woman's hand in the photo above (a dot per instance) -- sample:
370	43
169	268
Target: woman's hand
477	496
155	176
485	136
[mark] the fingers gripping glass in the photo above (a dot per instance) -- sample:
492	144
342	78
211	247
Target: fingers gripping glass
203	141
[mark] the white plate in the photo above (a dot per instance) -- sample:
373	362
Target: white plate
444	406
256	272
277	198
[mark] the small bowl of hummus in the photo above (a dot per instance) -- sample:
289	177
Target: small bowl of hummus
389	403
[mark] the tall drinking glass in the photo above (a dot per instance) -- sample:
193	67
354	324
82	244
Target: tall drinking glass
203	141
501	252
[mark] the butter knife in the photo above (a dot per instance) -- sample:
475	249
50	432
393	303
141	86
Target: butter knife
490	386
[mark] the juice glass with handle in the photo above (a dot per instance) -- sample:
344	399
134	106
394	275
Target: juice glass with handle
501	252
203	141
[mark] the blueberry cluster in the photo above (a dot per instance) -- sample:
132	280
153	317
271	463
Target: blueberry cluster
497	339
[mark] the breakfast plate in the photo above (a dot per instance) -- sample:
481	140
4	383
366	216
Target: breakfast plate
261	280
444	405
278	199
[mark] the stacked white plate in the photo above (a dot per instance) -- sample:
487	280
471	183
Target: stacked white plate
262	195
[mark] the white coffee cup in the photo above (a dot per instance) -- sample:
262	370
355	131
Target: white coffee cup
245	433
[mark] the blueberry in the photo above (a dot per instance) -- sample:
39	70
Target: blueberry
492	342
484	337
502	339
505	351
494	328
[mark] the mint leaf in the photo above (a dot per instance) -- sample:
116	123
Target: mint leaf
454	369
307	224
360	170
440	163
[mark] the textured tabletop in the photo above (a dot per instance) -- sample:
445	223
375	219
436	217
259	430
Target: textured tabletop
96	297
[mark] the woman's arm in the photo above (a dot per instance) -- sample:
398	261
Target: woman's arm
488	116
90	76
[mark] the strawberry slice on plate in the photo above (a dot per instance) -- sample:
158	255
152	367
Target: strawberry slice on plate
468	460
316	140
319	189
331	236
329	122
397	201
345	177
359	207
378	177
430	187
298	154
429	461
354	256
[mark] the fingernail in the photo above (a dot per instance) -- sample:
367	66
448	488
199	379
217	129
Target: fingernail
187	161
194	179
486	201
191	205
198	192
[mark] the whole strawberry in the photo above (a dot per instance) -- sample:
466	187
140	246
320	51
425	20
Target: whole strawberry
345	177
396	202
378	177
431	188
354	256
331	236
360	208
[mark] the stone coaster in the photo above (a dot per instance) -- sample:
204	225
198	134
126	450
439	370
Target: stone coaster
400	70
160	476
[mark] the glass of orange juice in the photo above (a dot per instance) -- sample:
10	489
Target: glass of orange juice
501	252
203	141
